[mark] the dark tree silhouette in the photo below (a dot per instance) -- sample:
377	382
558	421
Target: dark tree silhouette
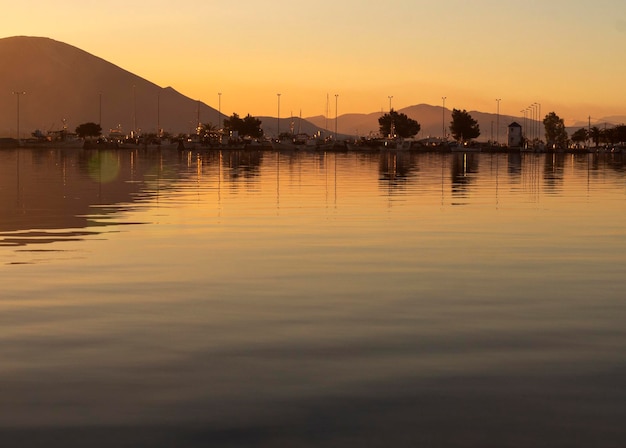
207	128
620	133
595	134
556	135
580	135
88	130
403	126
248	126
463	127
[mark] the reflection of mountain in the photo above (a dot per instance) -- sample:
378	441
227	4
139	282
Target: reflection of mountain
54	195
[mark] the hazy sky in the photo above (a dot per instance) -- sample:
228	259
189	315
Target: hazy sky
567	55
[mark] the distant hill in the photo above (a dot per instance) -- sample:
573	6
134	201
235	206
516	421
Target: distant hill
431	118
609	121
68	86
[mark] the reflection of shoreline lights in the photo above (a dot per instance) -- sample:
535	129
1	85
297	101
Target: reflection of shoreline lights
104	167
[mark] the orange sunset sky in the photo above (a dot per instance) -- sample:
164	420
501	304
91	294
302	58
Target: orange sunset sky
567	55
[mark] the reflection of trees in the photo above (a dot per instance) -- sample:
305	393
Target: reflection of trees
553	171
596	163
242	163
396	169
464	165
616	162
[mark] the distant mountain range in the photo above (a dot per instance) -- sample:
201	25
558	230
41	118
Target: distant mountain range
66	86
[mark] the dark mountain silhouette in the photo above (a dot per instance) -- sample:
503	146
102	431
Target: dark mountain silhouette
68	86
431	119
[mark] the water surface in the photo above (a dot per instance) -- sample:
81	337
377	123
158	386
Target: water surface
244	298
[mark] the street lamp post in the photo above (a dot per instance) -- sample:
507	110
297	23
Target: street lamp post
198	125
539	122
443	119
531	125
219	111
391	129
278	118
18	114
336	113
498	121
534	108
536	120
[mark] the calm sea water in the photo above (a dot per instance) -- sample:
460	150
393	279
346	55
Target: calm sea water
251	298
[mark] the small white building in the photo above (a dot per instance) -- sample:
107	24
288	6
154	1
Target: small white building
515	135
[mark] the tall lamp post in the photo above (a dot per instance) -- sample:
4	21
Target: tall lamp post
219	111
534	113
18	114
278	118
539	122
531	124
498	121
443	119
391	128
536	106
336	113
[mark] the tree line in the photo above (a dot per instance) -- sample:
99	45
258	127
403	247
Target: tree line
606	136
234	125
394	124
463	128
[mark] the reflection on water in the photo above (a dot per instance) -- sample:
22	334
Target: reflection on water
249	298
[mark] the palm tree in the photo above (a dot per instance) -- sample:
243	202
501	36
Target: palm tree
595	134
